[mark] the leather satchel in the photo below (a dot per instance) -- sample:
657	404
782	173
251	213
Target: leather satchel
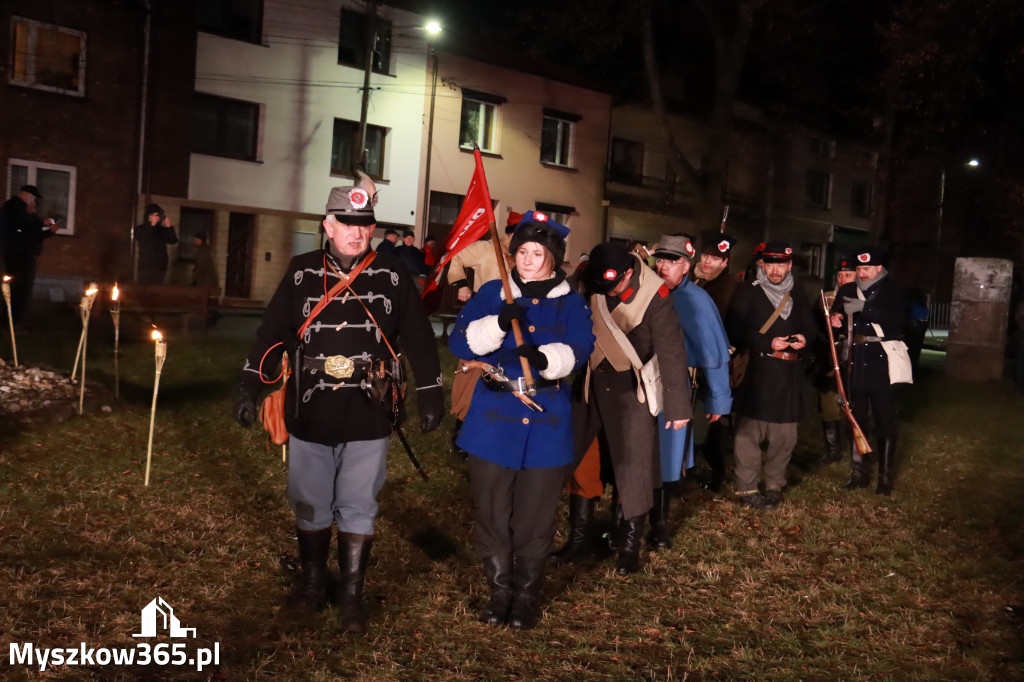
272	416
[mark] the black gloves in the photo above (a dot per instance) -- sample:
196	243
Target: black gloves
533	355
245	407
429	421
511	311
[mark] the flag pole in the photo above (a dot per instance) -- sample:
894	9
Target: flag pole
531	386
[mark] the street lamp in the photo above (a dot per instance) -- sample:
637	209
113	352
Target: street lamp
433	29
971	163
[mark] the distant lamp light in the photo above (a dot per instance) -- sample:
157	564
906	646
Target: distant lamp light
974	163
433	27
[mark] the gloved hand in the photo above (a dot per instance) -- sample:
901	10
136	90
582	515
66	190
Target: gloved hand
533	355
429	421
511	311
245	407
852	305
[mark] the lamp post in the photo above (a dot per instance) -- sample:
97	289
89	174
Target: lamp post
433	28
971	163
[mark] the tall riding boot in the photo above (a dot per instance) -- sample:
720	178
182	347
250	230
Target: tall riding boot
659	537
715	447
858	472
456	450
614	535
353	555
630	537
310	594
580	545
886	459
833	442
529	574
498	570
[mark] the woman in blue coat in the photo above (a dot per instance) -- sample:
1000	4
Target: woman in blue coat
519	459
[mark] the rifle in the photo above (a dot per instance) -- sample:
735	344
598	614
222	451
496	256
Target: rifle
497	375
859	440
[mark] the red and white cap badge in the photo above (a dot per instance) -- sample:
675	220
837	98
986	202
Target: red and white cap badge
358	198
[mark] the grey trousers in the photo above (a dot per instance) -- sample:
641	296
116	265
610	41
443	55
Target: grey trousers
749	435
336	483
515	508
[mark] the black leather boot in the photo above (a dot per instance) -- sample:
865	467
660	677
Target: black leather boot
580	545
529	575
886	459
630	536
353	555
310	594
858	476
659	537
715	447
498	570
833	442
456	450
614	535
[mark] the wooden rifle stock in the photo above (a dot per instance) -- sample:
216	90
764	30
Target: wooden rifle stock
860	441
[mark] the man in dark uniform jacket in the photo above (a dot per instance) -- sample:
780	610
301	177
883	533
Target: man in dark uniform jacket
338	437
769	402
833	421
632	313
21	242
879	309
711	273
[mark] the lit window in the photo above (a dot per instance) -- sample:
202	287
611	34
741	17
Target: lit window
225	127
557	137
346	138
479	124
55	183
819	189
47	57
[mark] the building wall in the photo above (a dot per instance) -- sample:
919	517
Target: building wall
516	177
97	133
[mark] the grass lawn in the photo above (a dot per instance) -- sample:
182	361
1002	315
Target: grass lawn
833	585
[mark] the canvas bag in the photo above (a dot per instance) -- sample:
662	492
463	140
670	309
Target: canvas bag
649	373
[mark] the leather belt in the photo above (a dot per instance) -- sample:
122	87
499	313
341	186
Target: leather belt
782	355
861	338
339	366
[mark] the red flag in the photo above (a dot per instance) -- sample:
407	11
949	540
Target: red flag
472	223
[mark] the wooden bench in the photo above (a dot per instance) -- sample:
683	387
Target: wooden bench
153	300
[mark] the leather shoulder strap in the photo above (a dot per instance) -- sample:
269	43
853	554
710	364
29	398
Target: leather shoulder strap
344	283
775	315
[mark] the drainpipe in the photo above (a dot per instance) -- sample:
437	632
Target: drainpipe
140	162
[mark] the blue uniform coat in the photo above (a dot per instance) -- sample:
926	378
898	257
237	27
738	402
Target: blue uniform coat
498	427
707	347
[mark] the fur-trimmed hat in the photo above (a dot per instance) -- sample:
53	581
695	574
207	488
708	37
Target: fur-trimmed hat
869	256
540	233
719	245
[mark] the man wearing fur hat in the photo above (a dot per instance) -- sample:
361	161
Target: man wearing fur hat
634	320
879	308
772	320
151	241
359	305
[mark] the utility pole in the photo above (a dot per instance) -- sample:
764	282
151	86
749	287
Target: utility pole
359	152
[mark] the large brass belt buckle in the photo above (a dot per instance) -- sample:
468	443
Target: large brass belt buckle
339	366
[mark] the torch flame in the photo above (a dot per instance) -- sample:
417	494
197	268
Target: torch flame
157	335
113	294
91	292
7	278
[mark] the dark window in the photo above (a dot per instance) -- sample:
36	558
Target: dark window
239	19
860	199
627	161
556	140
346	138
823	148
352	42
47	57
478	125
819	189
225	127
445	207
